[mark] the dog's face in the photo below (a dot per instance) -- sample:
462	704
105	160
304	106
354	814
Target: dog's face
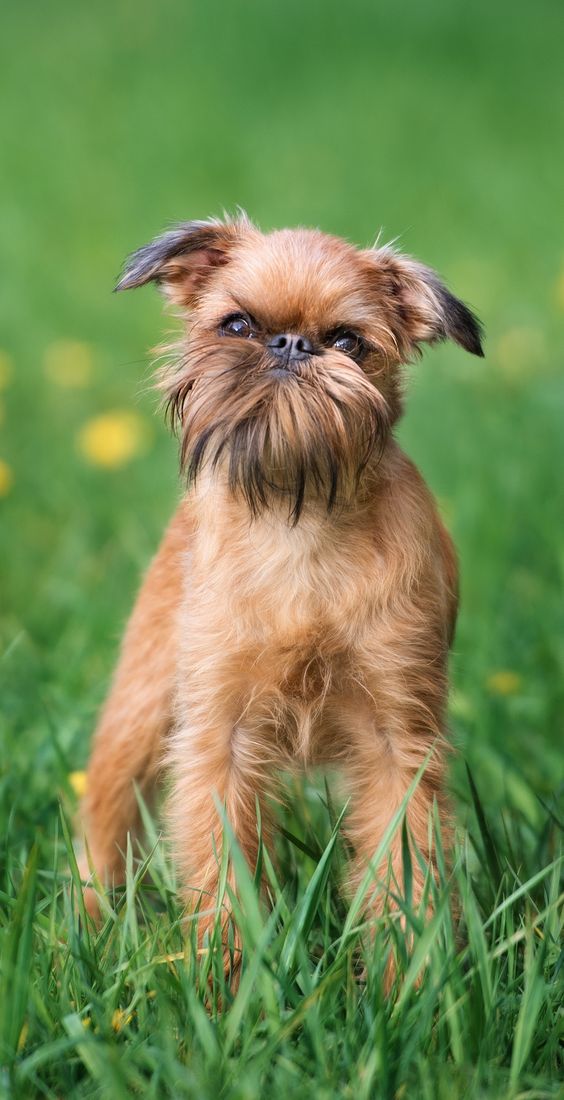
289	375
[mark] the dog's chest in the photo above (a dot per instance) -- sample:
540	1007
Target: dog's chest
308	587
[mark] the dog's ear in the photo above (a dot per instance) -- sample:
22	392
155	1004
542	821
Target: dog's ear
182	259
421	307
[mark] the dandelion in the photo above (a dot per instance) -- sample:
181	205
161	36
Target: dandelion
77	781
121	1019
23	1036
113	439
6	369
68	363
504	682
6	478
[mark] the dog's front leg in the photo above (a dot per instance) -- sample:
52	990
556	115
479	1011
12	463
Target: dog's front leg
225	767
391	738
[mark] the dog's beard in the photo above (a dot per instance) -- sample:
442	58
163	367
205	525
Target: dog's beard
278	434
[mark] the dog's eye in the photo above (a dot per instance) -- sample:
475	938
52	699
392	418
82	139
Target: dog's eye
350	343
237	324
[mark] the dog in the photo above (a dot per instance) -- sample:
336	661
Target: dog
301	606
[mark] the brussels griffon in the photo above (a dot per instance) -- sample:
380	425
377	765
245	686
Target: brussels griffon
300	608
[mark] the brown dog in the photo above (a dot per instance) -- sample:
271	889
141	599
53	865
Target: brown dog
301	606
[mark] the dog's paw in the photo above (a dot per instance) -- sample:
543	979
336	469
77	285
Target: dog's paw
89	893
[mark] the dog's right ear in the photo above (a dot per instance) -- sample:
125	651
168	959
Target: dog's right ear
182	259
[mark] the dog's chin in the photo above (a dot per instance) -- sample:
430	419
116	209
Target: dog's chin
279	437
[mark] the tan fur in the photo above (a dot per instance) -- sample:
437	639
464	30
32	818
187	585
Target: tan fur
261	642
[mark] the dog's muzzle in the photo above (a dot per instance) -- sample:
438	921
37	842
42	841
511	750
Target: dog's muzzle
290	348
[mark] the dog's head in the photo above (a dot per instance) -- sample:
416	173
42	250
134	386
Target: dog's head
288	378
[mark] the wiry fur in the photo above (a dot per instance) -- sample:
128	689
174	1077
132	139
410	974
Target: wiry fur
316	432
302	604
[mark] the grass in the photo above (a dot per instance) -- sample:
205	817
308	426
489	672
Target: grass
135	1007
438	123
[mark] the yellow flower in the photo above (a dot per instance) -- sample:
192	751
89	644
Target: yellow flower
6	478
68	363
504	682
77	781
86	1022
23	1036
121	1019
6	369
113	439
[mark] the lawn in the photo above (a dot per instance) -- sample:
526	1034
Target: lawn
442	124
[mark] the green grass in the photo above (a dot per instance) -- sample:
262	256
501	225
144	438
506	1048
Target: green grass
441	124
134	1007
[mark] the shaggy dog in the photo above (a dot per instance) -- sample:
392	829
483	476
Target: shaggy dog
301	606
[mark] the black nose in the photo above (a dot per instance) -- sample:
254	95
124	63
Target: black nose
288	346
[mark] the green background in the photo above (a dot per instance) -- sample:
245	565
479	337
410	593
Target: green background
438	123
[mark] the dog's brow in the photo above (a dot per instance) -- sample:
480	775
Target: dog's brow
324	330
244	308
262	321
350	326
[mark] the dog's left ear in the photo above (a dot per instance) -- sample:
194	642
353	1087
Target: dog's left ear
181	260
421	307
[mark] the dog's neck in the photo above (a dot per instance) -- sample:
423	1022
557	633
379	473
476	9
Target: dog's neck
269	571
218	508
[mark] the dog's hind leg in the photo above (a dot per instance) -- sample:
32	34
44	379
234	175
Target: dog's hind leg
137	716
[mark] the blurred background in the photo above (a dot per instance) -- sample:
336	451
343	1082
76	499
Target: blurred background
437	122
